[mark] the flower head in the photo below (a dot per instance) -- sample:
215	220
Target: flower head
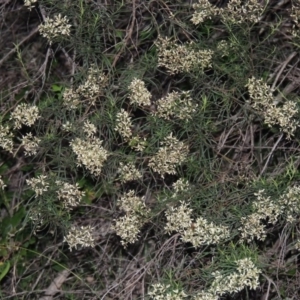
24	114
80	236
39	185
56	27
30	144
90	153
138	93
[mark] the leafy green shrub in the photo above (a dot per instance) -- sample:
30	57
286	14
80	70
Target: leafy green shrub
172	140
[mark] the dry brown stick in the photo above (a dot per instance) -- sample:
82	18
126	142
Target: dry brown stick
270	154
128	35
12	51
283	65
55	286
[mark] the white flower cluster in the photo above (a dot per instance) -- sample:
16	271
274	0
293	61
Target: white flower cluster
204	233
247	275
265	209
29	3
199	233
297	245
131	204
80	236
223	48
71	99
6	139
175	104
180	186
56	27
37	218
235	12
179	218
68	126
291	202
24	114
262	100
204	10
2	184
128	172
182	58
138	93
90	154
128	226
295	15
89	90
138	144
252	227
165	292
69	194
169	156
124	126
39	185
89	128
238	13
30	144
205	296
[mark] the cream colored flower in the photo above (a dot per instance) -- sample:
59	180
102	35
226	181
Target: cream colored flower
169	156
67	126
178	218
165	292
205	296
24	114
89	128
93	86
181	185
137	144
88	91
138	93
71	99
297	245
204	10
70	194
90	154
204	233
128	172
124	124
30	144
39	185
246	275
262	100
29	3
80	236
130	203
56	27
176	104
223	48
182	58
235	12
290	200
2	184
252	227
128	228
6	139
198	233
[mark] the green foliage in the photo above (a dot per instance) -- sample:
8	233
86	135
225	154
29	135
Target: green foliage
80	87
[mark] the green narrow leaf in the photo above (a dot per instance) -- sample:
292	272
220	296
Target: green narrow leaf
56	88
4	268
